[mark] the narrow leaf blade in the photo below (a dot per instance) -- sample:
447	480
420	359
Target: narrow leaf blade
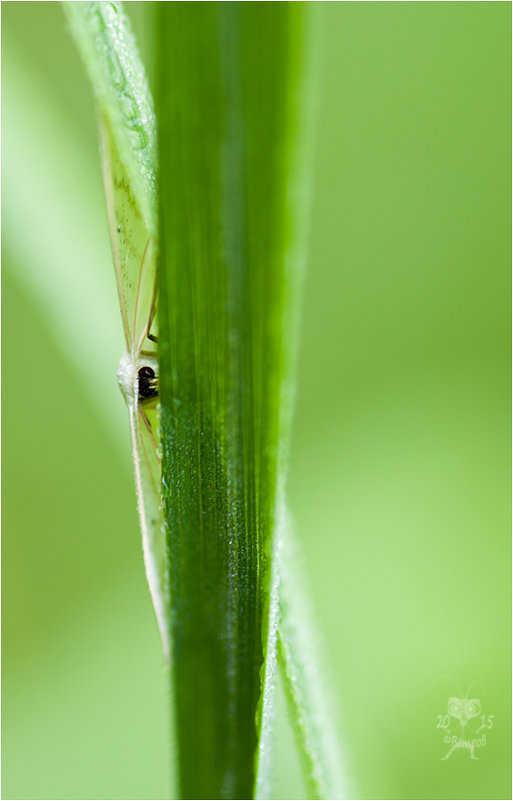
305	676
228	72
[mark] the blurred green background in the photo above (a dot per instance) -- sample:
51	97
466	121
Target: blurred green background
400	463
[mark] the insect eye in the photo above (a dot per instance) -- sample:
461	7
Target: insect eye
148	383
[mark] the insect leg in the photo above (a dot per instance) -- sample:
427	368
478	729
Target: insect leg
139	280
147	423
146	332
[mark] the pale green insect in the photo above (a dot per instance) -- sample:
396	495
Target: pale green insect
134	252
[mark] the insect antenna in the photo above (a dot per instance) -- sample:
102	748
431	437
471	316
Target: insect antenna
146	332
138	292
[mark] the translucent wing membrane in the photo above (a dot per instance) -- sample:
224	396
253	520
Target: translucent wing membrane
143	424
134	254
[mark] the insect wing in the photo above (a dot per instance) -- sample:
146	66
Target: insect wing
134	255
133	249
147	482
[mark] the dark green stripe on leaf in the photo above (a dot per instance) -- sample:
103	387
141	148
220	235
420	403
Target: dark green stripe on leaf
224	96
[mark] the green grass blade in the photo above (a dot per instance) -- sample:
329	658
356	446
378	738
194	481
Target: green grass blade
128	136
232	202
225	87
305	676
103	35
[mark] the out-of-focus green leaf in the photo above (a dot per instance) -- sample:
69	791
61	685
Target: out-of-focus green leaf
305	676
68	276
